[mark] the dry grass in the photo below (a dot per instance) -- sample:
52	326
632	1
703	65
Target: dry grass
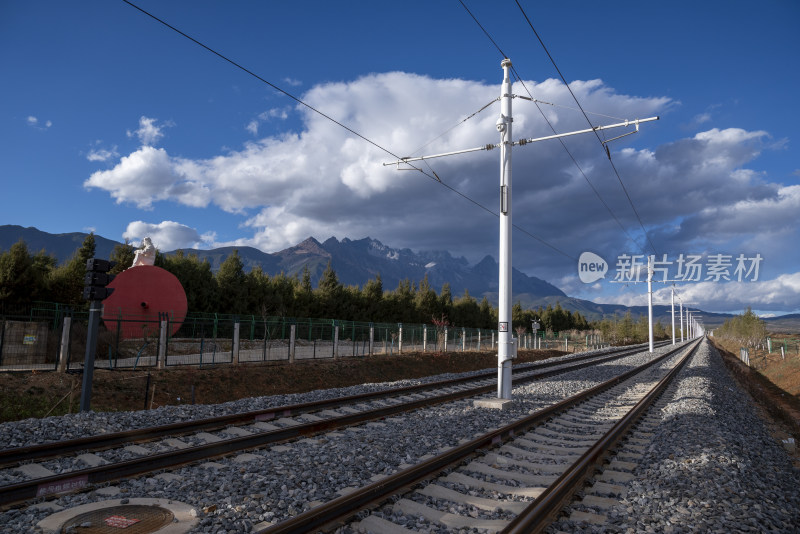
27	394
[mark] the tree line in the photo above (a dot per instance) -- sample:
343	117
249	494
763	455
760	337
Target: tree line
625	330
26	277
747	330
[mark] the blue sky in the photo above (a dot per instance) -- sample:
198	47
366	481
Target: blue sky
112	122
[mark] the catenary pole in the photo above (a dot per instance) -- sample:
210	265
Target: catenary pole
650	261
504	348
673	314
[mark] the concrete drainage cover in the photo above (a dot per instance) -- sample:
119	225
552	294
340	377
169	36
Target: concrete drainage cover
135	516
135	519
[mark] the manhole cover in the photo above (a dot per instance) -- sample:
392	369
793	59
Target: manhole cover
126	519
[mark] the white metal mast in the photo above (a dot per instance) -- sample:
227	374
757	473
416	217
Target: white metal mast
673	314
504	339
650	261
505	349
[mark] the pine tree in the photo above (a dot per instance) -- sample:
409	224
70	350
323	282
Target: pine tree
67	280
197	279
231	283
329	293
17	275
123	254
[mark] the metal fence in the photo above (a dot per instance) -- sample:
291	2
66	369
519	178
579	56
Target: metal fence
31	337
53	337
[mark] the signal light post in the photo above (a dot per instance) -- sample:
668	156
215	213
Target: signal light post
95	291
506	350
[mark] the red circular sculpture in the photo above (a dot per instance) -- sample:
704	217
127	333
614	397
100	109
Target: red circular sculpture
141	297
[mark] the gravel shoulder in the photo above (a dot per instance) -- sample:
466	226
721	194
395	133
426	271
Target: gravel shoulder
712	466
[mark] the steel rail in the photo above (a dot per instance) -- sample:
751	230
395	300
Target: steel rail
538	515
82	478
341	508
17	455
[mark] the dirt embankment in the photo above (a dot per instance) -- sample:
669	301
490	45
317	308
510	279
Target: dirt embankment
779	408
37	394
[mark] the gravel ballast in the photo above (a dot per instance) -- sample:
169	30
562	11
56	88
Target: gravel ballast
712	465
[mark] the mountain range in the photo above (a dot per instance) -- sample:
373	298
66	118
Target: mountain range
354	261
357	261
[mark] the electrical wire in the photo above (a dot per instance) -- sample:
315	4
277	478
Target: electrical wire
454	126
298	100
614	167
574	161
256	76
563	144
482	28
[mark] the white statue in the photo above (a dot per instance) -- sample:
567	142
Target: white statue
146	255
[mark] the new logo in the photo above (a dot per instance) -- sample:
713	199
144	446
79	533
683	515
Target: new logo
591	267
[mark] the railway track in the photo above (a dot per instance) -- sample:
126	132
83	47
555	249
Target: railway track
512	479
28	475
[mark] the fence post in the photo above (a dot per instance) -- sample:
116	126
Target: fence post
63	353
769	344
95	307
424	338
336	342
371	337
292	330
445	340
783	353
162	345
492	340
400	339
463	339
235	346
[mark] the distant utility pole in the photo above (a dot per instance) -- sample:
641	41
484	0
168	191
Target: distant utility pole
650	260
673	314
506	350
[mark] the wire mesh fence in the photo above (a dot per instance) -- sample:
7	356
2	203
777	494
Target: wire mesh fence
52	336
30	337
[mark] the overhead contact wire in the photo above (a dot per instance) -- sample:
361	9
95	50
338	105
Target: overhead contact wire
577	165
564	80
298	100
536	102
283	91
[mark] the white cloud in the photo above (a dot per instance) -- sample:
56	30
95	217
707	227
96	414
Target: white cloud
146	176
275	113
34	122
102	154
781	294
149	132
167	235
775	213
323	181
